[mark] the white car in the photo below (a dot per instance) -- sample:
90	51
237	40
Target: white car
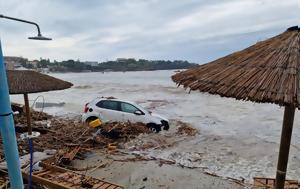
111	110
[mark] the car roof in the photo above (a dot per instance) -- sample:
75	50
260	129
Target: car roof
119	100
114	99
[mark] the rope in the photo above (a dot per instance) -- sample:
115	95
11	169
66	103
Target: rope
34	101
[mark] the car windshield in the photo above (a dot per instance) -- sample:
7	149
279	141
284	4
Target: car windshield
141	108
125	107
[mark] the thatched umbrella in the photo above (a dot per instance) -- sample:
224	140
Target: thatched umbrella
265	72
24	82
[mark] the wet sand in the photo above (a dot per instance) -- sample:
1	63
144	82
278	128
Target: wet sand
152	175
139	163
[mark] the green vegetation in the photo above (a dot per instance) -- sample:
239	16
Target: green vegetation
141	64
117	65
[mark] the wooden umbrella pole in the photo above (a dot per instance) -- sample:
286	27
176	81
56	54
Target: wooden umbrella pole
28	113
286	135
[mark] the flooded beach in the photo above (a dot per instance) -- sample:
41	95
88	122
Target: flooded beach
150	94
236	139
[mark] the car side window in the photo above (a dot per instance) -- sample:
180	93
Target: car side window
125	107
108	104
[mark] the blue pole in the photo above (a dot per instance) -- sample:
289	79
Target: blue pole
8	131
31	162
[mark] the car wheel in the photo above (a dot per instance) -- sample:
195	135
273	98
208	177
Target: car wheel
165	125
154	127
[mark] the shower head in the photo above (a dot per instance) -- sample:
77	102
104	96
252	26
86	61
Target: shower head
39	37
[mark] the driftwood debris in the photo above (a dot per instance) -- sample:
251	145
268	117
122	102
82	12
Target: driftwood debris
68	157
66	135
186	129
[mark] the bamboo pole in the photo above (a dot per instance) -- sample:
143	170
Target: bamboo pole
28	114
286	135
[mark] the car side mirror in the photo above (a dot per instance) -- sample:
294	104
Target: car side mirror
138	112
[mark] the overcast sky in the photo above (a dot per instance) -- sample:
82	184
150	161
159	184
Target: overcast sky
193	30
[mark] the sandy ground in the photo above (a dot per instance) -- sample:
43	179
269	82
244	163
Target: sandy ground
133	166
150	174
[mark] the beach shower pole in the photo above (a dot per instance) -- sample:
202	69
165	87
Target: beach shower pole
28	114
8	131
7	123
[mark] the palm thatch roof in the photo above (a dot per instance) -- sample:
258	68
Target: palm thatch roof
268	71
21	82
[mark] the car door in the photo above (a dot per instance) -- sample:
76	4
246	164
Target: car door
129	110
109	110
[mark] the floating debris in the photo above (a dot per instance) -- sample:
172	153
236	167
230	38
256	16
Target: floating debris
49	104
186	129
83	87
109	97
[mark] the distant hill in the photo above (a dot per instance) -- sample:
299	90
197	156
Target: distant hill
120	64
141	65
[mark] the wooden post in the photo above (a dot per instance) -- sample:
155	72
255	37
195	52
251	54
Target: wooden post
27	113
286	135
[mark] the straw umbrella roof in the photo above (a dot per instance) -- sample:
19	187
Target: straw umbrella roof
265	72
25	81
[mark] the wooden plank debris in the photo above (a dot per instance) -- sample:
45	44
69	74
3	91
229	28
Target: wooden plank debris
59	178
68	157
269	183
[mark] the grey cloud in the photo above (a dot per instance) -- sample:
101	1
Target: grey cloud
194	30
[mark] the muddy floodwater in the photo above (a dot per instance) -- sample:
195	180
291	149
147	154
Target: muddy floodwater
236	139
